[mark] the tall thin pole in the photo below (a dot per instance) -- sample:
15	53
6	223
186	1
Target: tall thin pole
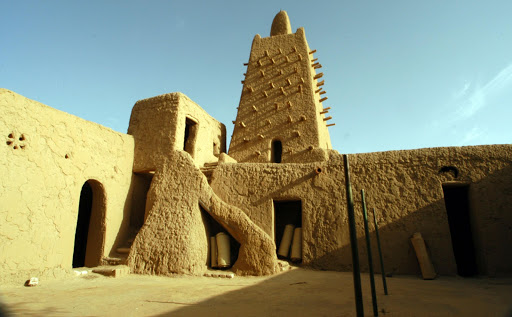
382	272
353	242
370	259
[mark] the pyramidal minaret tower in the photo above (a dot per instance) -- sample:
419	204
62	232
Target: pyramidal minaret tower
281	117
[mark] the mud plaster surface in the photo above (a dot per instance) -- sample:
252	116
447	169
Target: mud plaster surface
41	179
174	238
405	187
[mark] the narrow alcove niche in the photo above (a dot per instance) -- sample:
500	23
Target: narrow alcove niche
222	247
139	210
288	229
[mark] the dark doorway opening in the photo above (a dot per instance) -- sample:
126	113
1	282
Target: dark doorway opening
82	225
213	228
287	212
456	198
276	151
190	136
141	184
90	225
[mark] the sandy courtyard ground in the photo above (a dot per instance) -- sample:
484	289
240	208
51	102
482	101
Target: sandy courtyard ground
298	292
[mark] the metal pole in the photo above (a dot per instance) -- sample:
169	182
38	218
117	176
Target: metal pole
353	242
382	272
370	259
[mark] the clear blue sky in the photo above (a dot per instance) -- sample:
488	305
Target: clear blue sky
399	74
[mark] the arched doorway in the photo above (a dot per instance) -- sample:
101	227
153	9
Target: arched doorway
90	225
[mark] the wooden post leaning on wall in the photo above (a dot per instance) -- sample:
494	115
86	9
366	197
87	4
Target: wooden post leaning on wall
353	241
370	258
382	271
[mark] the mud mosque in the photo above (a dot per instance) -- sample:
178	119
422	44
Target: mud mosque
167	198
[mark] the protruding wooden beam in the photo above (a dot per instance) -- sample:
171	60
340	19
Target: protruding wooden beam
313	51
328	118
323	99
320	83
319	75
330	125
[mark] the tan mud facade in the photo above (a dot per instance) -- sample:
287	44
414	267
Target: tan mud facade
405	187
173	122
158	193
281	101
47	156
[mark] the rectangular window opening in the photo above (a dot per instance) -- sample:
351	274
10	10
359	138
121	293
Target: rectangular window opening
190	136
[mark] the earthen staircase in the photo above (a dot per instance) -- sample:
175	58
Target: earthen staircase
208	169
121	255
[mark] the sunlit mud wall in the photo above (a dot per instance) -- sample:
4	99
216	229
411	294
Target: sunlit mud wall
47	157
405	187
